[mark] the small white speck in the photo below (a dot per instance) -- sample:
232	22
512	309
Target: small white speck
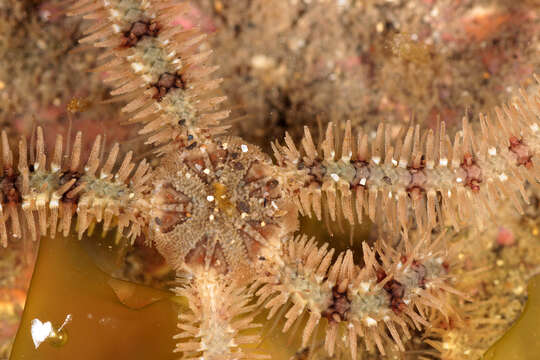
137	67
263	224
211	217
131	195
534	127
274	205
206	171
243	215
53	204
492	151
443	162
363	181
188	175
370	321
376	159
335	177
332	154
459	180
449	193
198	167
244	148
503	177
394	162
210	198
225	145
364	286
389	194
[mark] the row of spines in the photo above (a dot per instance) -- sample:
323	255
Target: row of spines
218	322
378	302
54	191
183	114
434	178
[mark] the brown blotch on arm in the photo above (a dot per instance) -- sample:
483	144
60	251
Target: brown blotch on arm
166	82
473	171
10	193
396	291
138	30
339	307
522	152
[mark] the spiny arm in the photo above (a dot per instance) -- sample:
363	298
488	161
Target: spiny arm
56	190
438	180
158	66
215	326
378	302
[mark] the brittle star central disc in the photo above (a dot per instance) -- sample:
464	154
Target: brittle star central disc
219	205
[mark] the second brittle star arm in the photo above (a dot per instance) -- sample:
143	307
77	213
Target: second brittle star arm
47	192
426	177
158	66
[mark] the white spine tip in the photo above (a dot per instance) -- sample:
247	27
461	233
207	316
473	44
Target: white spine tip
370	321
